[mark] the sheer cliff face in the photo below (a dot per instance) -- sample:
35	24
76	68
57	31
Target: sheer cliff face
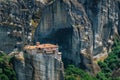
7	42
82	28
104	17
39	67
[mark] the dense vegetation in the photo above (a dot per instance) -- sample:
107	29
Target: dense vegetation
111	64
108	68
6	69
74	73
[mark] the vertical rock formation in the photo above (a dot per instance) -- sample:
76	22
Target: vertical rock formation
10	31
82	28
104	17
66	24
39	67
7	43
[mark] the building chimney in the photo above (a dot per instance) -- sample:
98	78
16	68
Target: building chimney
37	43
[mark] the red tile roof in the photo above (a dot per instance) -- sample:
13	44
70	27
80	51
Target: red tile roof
47	46
42	46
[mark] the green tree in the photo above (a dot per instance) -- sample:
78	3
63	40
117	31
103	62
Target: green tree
3	77
6	70
101	76
74	73
111	63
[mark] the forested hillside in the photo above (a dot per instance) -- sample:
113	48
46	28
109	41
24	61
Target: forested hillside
110	67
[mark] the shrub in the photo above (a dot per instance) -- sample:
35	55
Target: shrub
3	77
74	73
111	63
6	70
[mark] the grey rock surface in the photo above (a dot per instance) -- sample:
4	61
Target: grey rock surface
82	28
39	67
7	43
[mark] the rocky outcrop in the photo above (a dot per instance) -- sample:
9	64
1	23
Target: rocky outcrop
15	23
7	43
39	67
82	28
104	17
